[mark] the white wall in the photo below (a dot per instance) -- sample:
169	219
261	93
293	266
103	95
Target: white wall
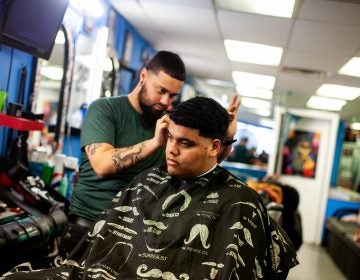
313	191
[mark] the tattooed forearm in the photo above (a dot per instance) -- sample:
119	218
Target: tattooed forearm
122	159
125	162
92	148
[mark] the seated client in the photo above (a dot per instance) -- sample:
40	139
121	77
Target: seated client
186	219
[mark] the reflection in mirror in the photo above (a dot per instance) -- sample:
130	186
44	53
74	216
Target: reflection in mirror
79	92
88	71
89	60
253	145
110	79
81	81
48	95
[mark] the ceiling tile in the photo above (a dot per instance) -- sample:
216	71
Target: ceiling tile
331	11
132	11
325	38
345	80
254	28
297	83
313	61
184	19
291	99
254	68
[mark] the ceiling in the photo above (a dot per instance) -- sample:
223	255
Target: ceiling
317	41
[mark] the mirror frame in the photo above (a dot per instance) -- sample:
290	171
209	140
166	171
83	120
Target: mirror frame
60	106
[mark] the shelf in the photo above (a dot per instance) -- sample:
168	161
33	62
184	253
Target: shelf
20	123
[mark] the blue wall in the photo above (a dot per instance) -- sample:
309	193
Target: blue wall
140	45
11	63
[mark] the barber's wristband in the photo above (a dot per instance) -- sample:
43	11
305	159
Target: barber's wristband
228	142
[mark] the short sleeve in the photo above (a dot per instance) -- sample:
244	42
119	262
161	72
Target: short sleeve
99	124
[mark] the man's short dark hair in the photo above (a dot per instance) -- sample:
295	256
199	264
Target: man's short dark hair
169	62
203	114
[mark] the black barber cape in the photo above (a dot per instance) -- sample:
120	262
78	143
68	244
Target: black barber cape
159	227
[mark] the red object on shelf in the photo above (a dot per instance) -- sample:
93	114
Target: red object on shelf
20	123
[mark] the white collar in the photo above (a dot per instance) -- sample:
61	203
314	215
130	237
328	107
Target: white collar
211	169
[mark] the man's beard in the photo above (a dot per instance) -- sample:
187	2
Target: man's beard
149	115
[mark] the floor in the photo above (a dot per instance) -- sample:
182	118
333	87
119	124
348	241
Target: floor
315	264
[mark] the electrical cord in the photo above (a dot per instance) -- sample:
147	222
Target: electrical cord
10	69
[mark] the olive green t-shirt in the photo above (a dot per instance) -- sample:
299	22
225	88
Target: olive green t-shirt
110	120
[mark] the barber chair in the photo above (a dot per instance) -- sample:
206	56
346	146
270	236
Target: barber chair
282	202
275	211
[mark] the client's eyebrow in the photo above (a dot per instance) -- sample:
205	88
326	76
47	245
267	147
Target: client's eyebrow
182	139
186	140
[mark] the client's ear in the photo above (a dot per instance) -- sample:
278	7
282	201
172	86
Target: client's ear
216	147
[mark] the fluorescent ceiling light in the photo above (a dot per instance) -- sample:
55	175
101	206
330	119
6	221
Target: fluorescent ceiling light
254	92
338	91
355	126
53	73
255	103
245	79
351	68
277	8
324	103
253	53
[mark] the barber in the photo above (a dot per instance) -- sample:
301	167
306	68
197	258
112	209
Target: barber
120	137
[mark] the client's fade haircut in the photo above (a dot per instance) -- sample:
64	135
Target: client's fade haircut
169	62
203	114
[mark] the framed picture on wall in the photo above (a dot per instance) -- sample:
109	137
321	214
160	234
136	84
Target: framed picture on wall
300	153
128	46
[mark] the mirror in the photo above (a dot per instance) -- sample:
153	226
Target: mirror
50	96
255	147
87	84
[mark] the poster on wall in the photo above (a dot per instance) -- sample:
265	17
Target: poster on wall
300	153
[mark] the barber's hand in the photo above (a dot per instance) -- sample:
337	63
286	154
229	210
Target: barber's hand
233	111
161	130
